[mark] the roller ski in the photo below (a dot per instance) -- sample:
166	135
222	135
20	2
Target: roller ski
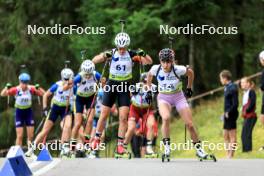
66	152
93	154
150	153
166	155
121	152
80	151
30	152
80	154
207	157
202	155
92	151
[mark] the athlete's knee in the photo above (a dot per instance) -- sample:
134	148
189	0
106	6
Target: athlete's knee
131	128
44	132
151	121
122	119
189	125
67	125
77	125
90	121
104	113
166	119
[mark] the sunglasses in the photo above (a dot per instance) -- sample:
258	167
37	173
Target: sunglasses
24	82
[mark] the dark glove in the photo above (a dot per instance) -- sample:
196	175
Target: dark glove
37	86
8	85
141	52
188	92
149	97
45	112
108	54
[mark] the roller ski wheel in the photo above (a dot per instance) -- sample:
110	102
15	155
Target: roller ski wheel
165	157
66	156
92	155
207	157
123	155
80	154
152	155
213	157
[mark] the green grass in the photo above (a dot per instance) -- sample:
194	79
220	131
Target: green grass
207	121
209	126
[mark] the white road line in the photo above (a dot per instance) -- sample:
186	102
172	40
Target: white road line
47	167
34	164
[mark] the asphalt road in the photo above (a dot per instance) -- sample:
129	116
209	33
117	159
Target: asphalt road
146	167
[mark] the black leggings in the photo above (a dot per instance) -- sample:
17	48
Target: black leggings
116	90
246	134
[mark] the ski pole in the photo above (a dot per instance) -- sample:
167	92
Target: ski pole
92	104
83	55
22	68
8	98
40	125
66	63
122	22
111	133
8	86
171	40
42	121
185	133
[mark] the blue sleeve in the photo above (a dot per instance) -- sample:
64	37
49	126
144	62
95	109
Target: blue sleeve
77	79
53	88
234	99
97	76
75	89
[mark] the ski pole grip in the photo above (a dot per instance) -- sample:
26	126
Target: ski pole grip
122	21
66	63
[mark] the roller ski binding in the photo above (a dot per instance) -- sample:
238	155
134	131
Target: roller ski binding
150	153
121	152
80	154
92	155
65	152
165	157
207	157
30	153
202	155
